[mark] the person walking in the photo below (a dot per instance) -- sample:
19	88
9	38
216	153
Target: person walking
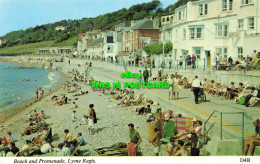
135	140
196	88
146	75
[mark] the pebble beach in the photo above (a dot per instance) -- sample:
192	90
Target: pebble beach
111	128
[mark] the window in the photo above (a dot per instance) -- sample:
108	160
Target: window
251	23
179	15
206	9
246	2
225	53
163	20
110	39
240	24
240	52
222	51
203	9
192	33
196	33
167	19
200	9
184	34
221	30
197	53
227	5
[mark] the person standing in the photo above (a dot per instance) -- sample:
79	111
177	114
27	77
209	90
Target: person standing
217	60
36	92
135	140
193	61
166	61
196	88
176	86
153	61
146	75
254	140
170	62
42	92
156	142
91	118
171	82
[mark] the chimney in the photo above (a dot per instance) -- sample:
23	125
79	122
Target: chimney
156	23
133	22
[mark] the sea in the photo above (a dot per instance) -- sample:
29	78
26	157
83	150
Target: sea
18	85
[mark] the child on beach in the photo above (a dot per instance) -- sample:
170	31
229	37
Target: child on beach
80	140
74	118
12	138
170	146
84	120
75	105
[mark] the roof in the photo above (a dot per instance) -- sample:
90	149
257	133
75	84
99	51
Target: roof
80	36
122	54
141	24
95	42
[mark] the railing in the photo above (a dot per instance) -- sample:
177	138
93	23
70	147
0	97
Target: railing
221	122
206	132
222	125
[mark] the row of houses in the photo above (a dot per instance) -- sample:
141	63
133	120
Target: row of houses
127	38
206	28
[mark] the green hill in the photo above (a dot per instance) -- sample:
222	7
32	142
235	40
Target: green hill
32	47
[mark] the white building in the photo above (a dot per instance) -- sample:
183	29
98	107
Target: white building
61	28
208	27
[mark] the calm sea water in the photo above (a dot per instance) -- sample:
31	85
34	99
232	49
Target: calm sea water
12	94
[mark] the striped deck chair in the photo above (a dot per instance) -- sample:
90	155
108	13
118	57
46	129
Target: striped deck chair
33	143
180	123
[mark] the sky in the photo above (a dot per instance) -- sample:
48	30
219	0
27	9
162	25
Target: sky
22	14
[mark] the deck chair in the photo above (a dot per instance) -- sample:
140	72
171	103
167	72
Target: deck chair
180	123
75	152
168	132
139	100
254	101
71	89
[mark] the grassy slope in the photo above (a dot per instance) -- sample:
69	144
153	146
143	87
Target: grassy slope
32	47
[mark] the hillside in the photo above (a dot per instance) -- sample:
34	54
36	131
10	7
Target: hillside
32	47
48	33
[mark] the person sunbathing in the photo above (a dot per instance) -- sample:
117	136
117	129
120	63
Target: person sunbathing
28	130
230	91
159	116
212	87
185	134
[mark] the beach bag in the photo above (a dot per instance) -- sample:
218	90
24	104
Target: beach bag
95	116
242	100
